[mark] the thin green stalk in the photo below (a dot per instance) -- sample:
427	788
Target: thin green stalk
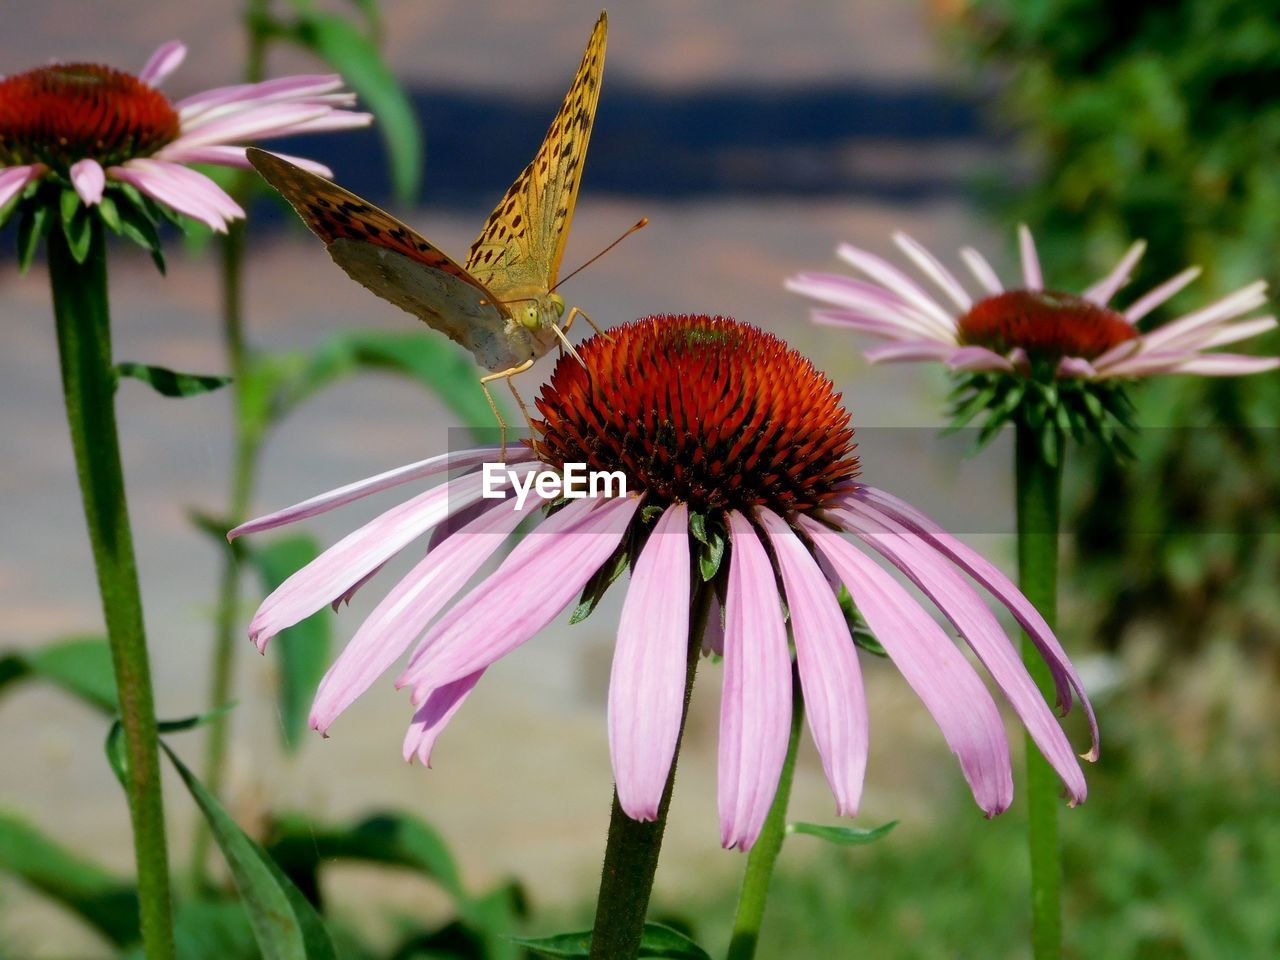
243	470
631	853
764	855
88	387
1038	496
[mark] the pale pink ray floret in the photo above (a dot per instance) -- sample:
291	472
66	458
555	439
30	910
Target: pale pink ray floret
448	621
921	325
213	127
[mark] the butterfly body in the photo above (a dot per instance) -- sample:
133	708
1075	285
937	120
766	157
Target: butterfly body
502	305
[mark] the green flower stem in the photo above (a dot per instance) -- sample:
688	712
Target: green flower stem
88	386
764	855
244	467
1038	496
631	852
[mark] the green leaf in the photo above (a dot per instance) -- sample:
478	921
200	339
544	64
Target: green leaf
171	383
104	901
430	361
138	225
117	752
79	665
338	42
858	629
658	941
76	225
285	925
304	647
713	543
844	836
600	582
33	225
110	214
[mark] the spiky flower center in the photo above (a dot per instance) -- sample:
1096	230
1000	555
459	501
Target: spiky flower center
701	410
1045	324
60	114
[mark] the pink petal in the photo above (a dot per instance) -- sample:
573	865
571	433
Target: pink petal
167	58
411	605
224	156
1076	368
982	270
894	279
1031	275
1173	336
978	358
13	180
435	713
868	300
186	191
324	123
828	665
306	88
536	581
1236	332
1145	304
268	120
960	603
1102	291
332	573
932	267
852	320
324	502
89	179
755	707
650	663
911	350
1227	365
1001	587
931	664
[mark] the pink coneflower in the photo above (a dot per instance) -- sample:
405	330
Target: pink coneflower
741	480
91	125
1078	336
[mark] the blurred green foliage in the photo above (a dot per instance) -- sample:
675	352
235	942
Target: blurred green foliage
1158	120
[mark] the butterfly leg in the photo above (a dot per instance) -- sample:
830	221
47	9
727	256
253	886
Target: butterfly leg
507	375
573	312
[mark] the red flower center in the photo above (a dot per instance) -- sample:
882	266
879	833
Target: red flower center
1045	324
701	410
60	114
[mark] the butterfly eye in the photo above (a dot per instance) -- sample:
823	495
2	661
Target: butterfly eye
557	303
529	315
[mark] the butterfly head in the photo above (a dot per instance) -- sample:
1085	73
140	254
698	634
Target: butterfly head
537	312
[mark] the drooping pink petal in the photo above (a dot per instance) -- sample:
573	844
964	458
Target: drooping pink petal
253	123
868	300
646	685
1148	302
1102	291
931	665
352	590
755	707
225	156
1172	335
167	58
430	719
324	502
852	320
183	189
536	581
911	350
1076	367
978	358
937	579
990	578
332	573
89	179
404	613
324	123
982	270
1227	365
828	664
306	88
1031	274
1235	332
13	180
933	268
897	281
1146	363
1121	351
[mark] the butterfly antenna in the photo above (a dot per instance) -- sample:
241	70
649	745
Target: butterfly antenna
638	225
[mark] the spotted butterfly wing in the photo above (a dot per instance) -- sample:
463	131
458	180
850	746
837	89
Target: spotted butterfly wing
391	259
518	252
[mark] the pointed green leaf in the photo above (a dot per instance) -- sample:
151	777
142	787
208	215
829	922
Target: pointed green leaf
109	213
338	42
658	941
285	925
171	383
31	228
79	665
303	648
106	902
844	836
600	582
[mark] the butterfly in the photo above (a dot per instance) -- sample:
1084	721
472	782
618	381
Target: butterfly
502	305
